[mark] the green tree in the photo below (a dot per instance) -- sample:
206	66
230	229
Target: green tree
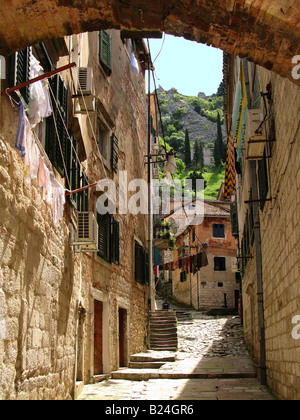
220	151
187	149
223	150
196	154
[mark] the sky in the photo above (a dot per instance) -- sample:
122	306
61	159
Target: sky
186	66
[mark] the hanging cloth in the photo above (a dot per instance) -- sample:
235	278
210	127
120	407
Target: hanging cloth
134	64
39	102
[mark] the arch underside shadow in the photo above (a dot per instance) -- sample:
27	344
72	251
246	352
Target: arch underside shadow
266	32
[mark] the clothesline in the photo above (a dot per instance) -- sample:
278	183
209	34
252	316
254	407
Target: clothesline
190	264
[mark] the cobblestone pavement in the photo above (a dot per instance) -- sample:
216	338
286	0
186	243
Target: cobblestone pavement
212	362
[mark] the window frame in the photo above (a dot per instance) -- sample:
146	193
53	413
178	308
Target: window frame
216	230
217	264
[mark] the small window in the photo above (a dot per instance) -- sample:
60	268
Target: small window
220	284
141	264
220	263
263	180
183	276
103	136
218	230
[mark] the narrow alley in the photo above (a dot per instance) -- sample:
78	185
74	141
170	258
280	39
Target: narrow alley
212	363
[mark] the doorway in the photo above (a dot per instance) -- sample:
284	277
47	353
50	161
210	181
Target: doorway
98	337
122	337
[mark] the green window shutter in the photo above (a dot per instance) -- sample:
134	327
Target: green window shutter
234	219
114	153
19	70
73	168
263	180
105	51
84	195
104	232
115	242
53	147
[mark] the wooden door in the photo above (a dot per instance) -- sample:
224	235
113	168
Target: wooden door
122	320
98	337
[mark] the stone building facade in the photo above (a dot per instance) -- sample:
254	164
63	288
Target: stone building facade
67	317
266	216
215	286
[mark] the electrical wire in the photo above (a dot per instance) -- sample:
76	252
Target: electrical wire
164	38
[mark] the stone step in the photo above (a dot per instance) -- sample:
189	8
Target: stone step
145	365
170	341
160	336
170	348
152	357
146	374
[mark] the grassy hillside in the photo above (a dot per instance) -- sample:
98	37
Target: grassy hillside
199	116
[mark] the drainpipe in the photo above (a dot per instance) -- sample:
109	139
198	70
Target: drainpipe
259	276
150	229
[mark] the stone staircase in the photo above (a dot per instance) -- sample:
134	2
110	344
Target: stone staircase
163	331
184	317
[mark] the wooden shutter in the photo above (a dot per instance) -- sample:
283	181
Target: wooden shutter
104	230
105	51
22	71
114	153
84	195
73	170
234	219
56	148
115	242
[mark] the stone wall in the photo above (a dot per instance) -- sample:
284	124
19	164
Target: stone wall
47	291
279	228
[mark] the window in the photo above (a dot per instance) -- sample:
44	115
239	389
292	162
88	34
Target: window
183	276
105	51
141	265
56	145
103	140
220	263
108	238
220	284
218	230
263	180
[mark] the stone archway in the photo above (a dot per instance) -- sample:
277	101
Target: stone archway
265	31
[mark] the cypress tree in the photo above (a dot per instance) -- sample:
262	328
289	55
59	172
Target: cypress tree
187	149
196	159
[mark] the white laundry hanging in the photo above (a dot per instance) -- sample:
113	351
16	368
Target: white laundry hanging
32	155
39	104
134	65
